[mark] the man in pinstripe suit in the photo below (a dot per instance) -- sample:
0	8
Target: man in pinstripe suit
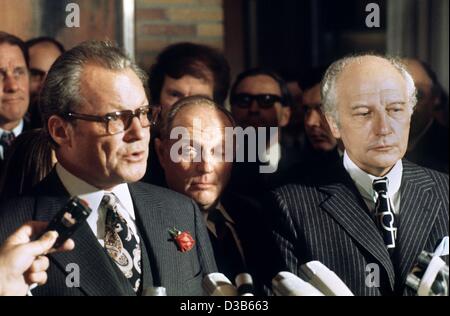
338	216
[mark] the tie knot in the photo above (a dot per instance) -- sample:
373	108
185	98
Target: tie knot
109	200
380	185
7	138
216	217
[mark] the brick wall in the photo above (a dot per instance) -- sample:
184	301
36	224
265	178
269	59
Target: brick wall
162	22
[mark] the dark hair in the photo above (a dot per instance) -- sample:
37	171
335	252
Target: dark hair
61	93
191	59
45	39
285	94
311	77
27	162
6	38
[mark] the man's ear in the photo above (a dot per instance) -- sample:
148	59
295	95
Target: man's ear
58	128
285	116
333	126
159	148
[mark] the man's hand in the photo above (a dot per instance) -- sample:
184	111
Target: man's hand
23	262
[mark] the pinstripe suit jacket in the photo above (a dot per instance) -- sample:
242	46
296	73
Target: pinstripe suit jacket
329	221
157	209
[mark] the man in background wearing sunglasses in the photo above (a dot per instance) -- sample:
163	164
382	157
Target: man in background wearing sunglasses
98	117
260	99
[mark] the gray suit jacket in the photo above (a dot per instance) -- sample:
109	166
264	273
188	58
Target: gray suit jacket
157	209
329	221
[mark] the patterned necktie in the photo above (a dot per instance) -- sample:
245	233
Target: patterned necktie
385	215
121	243
6	140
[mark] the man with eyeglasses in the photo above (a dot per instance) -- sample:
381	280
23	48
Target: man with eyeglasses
260	98
14	89
98	118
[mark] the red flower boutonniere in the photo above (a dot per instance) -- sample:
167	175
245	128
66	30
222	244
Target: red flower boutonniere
184	240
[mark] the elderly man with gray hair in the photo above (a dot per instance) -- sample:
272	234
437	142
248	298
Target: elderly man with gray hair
373	213
97	115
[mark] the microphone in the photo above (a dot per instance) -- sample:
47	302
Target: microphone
429	276
288	284
244	284
155	291
325	280
217	284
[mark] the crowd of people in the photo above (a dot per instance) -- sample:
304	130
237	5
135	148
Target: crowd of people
350	169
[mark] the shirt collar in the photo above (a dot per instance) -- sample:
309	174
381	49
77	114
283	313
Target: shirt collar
92	195
16	130
364	180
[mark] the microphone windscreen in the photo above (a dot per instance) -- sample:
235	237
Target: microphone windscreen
288	284
217	284
324	279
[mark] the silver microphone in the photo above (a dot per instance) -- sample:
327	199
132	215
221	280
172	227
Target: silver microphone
325	280
288	284
217	284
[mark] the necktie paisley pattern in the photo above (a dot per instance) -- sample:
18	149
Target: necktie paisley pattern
121	243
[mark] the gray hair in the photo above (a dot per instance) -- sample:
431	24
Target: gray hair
61	92
328	85
169	117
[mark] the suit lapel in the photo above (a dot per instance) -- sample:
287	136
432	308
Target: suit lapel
154	226
418	211
347	207
98	275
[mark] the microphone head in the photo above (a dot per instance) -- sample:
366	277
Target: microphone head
244	284
217	284
324	279
155	291
288	284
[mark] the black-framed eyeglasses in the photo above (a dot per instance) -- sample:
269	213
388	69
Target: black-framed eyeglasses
120	121
264	101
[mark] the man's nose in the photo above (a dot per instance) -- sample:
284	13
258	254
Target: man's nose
254	107
136	131
313	118
10	84
206	165
382	125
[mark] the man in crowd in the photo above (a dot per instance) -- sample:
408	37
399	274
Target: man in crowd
97	115
373	208
43	52
199	166
182	70
428	139
14	95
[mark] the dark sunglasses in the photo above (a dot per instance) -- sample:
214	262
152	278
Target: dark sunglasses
264	101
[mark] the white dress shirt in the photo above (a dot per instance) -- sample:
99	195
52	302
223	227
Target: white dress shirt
16	131
364	181
93	196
